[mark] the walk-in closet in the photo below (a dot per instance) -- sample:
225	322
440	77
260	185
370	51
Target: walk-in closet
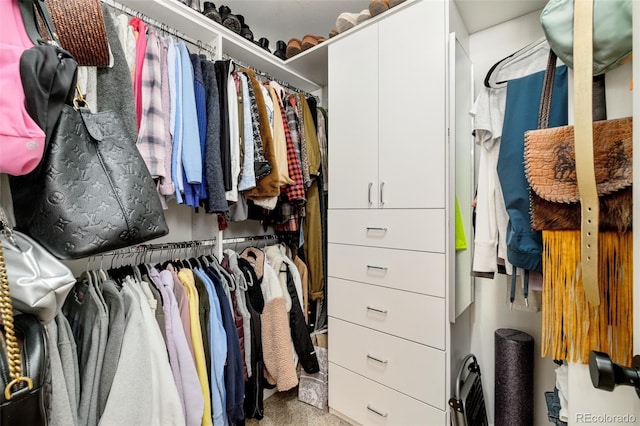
310	213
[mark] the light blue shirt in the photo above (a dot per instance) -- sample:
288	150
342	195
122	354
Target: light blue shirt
191	152
174	63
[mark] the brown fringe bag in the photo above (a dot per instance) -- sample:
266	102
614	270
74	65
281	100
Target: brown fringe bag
571	326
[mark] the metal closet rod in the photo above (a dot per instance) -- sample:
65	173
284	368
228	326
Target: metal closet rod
186	244
268	77
159	25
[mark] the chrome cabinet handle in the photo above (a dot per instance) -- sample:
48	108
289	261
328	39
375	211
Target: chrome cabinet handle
380	268
373	410
380	311
381	361
369	228
382	193
369	193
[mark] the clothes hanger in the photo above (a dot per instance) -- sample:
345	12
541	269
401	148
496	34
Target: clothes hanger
490	80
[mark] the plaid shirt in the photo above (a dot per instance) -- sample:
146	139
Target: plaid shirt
304	157
294	191
292	121
151	136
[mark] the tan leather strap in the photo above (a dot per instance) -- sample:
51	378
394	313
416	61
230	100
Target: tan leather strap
583	131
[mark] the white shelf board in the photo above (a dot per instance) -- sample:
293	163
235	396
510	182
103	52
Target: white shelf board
313	62
190	22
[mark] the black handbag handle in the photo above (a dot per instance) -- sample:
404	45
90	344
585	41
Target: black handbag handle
28	10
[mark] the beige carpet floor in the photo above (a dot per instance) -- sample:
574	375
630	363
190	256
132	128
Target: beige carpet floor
284	409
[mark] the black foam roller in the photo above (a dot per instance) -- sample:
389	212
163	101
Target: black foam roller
513	378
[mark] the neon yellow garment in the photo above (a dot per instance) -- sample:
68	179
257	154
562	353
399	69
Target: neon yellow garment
187	280
461	239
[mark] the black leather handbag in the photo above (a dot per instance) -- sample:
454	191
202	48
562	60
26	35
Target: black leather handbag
23	367
94	193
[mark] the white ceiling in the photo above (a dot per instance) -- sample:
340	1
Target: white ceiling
286	19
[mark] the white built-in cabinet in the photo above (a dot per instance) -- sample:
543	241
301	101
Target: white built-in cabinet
387	103
389	221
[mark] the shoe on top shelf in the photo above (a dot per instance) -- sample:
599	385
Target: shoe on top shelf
293	47
281	50
211	12
264	43
230	20
376	7
245	31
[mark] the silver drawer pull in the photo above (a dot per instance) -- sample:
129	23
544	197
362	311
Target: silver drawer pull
381	311
381	361
379	268
373	410
369	228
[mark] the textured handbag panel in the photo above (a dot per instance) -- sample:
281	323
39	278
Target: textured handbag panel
549	157
94	194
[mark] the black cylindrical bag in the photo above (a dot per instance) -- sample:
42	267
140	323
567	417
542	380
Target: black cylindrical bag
513	377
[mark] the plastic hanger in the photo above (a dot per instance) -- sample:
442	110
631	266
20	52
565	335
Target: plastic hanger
490	80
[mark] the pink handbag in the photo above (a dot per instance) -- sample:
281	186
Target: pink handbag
22	141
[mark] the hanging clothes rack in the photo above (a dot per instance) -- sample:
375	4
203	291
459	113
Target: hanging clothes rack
237	240
194	244
267	77
161	246
161	26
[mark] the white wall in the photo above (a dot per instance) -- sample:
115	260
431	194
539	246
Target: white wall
490	311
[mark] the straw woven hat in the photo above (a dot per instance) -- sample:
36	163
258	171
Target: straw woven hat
81	30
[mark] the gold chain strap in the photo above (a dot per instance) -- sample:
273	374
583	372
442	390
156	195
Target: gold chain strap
6	312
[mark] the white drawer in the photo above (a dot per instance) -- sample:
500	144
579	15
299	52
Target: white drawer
408	367
417	271
416	229
370	403
412	316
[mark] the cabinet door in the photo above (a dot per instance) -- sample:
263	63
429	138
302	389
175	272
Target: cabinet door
412	85
353	102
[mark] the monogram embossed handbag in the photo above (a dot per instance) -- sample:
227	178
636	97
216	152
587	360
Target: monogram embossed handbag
23	362
94	192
